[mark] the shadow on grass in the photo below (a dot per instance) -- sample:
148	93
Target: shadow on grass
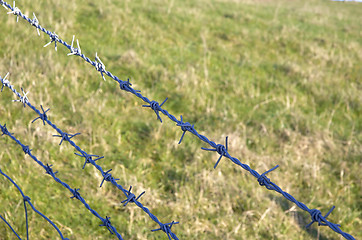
300	217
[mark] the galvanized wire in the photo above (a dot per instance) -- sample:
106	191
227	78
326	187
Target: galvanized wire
222	150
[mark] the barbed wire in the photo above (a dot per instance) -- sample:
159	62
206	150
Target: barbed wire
89	158
26	200
222	150
48	169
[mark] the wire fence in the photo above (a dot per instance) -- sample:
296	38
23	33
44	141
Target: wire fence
222	150
75	191
88	158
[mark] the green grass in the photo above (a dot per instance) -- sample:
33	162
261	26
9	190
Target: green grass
281	78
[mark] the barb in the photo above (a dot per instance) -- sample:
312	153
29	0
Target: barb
264	181
27	201
53	38
88	158
16	11
5	130
75	51
185	126
166	228
131	197
220	149
125	85
107	223
49	171
22	99
66	137
155	106
42	116
27	150
4	81
107	176
100	66
157	109
35	23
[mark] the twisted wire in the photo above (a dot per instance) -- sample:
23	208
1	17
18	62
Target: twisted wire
26	199
107	176
316	216
49	171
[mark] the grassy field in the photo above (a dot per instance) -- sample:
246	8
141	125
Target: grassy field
282	79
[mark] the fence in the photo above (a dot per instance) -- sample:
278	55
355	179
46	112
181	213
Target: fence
222	150
107	176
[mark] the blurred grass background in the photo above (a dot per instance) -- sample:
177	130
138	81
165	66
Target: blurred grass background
281	78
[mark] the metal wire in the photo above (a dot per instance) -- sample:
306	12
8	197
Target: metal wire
222	150
48	169
89	158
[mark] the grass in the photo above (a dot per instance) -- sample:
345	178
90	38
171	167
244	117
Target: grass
281	78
